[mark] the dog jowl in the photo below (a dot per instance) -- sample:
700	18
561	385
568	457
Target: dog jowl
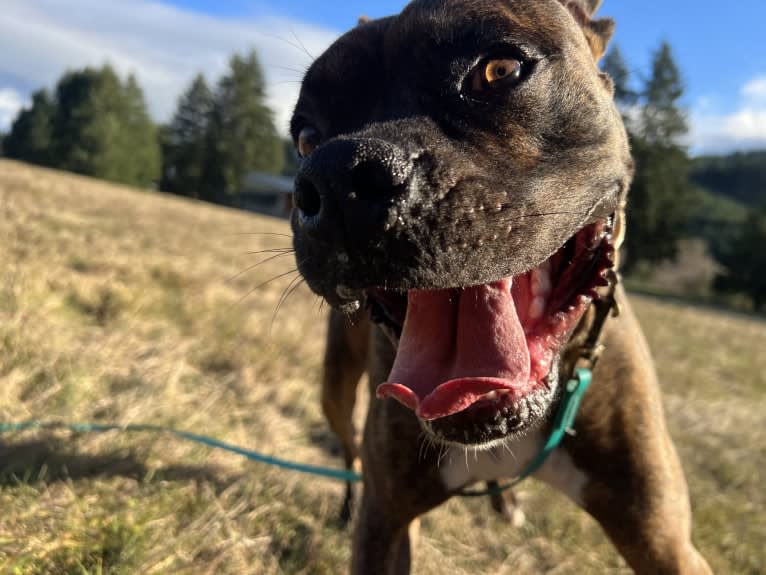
463	180
463	163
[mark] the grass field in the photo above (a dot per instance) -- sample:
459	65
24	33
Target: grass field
119	305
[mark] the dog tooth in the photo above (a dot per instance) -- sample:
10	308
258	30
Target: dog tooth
541	282
546	284
537	309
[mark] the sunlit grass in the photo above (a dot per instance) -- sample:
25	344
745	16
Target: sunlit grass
115	306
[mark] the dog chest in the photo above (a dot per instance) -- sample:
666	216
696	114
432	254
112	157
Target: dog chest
460	467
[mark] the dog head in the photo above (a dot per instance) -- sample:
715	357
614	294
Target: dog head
462	164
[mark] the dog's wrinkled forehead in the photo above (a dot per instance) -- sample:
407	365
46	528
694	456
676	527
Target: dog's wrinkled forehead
395	68
544	24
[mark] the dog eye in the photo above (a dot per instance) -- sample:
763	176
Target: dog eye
308	140
495	73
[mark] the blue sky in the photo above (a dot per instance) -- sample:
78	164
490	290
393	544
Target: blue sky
721	49
718	49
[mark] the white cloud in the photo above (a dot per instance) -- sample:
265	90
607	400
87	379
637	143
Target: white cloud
11	102
162	45
755	90
165	46
743	129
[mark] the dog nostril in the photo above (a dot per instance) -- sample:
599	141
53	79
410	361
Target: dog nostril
307	198
373	180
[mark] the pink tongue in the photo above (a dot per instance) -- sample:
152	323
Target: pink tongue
457	346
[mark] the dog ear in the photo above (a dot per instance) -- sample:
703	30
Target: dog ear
592	5
597	32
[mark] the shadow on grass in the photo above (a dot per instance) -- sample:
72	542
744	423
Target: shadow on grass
50	460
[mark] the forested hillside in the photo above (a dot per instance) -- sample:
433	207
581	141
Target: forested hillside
740	176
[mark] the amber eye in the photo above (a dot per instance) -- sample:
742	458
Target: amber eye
496	73
308	140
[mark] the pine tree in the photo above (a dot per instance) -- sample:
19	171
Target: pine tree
659	197
85	122
143	161
614	65
663	121
102	129
241	136
184	140
30	137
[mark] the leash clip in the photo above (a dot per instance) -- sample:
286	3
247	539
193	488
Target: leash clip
590	356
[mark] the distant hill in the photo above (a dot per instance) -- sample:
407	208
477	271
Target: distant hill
715	218
740	176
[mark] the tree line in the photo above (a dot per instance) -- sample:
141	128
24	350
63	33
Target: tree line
674	197
96	124
740	176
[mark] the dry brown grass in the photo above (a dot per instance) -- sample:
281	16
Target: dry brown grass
114	306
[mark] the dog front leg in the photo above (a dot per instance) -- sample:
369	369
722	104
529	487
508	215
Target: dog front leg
344	364
381	540
653	533
401	479
621	465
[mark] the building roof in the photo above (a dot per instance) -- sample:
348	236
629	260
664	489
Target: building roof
260	183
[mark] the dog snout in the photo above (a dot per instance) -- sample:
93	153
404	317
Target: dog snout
350	183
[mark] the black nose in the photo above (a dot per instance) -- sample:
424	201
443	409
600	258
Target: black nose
350	181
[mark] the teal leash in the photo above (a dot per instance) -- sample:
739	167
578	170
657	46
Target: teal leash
328	472
563	424
565	416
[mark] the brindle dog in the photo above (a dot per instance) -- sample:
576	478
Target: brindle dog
463	178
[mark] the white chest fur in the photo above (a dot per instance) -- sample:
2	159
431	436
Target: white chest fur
460	467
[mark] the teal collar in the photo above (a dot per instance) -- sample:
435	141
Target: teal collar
563	423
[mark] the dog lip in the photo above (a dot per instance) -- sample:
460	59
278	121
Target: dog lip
388	307
400	393
449	398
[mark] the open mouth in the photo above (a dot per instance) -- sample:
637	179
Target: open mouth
487	353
